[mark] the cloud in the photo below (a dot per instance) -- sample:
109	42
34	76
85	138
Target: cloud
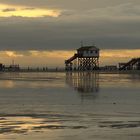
22	11
28	8
110	24
13	54
8	10
66	54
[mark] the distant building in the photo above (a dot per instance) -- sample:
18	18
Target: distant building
110	67
121	65
1	67
133	64
13	68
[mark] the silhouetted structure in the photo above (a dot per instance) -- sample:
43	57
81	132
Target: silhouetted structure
110	67
86	58
1	67
133	64
14	68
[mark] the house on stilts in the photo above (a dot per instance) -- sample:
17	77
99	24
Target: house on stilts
86	58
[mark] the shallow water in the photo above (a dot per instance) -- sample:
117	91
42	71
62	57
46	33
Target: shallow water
65	106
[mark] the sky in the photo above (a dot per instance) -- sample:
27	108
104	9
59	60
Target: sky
39	32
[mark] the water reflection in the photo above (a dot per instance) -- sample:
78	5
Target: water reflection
31	80
7	84
86	83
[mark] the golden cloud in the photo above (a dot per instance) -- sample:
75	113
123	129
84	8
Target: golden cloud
22	11
13	54
66	54
51	54
120	53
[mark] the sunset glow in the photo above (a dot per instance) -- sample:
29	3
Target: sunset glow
49	57
64	54
23	11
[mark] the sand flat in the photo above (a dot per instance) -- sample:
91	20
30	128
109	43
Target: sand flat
78	106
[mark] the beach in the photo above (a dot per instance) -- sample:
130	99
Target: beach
69	105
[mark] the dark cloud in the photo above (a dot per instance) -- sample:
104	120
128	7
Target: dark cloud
28	8
67	4
8	10
110	25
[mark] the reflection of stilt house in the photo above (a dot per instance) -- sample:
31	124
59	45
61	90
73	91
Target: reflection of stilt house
87	84
86	58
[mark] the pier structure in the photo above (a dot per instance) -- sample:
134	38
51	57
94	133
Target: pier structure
133	64
86	58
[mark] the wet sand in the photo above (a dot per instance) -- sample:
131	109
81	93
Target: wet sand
65	106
